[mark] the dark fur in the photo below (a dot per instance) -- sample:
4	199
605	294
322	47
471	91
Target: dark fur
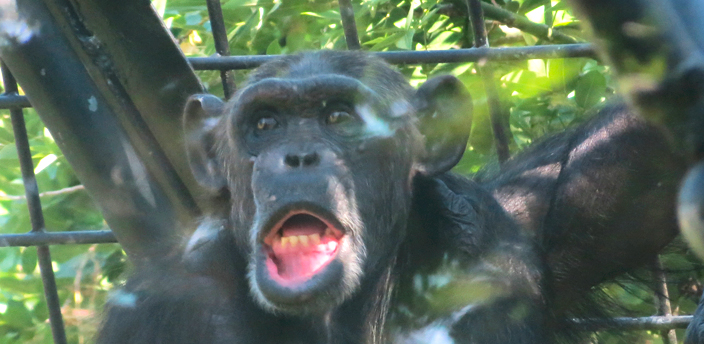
522	247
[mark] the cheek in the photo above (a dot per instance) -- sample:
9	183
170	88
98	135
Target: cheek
383	193
242	205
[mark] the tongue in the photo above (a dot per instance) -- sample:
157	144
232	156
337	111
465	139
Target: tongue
300	267
291	263
297	264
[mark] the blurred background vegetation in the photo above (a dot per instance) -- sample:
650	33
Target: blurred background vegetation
542	96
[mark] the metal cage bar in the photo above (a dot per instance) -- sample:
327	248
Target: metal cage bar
225	63
35	210
222	46
349	25
420	57
497	115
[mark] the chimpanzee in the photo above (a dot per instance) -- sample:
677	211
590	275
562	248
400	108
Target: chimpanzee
335	219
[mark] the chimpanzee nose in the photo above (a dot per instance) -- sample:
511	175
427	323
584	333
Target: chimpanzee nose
302	160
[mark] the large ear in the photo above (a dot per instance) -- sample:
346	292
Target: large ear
444	109
200	119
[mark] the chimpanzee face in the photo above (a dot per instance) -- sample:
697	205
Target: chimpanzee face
319	156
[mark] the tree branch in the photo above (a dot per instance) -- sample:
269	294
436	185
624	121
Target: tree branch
5	197
526	25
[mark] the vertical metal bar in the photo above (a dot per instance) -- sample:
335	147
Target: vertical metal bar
222	46
497	113
663	300
349	25
35	210
476	18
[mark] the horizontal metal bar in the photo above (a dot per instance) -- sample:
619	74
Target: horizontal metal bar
92	75
417	57
397	57
57	238
8	101
643	323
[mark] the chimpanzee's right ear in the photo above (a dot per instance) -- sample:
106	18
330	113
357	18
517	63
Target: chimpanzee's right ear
200	119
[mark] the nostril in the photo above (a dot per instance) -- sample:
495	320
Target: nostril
311	159
292	160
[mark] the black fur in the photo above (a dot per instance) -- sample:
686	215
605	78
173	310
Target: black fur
430	255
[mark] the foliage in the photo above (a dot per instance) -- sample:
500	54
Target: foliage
540	96
84	273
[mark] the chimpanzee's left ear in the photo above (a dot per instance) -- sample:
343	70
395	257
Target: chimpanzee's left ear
444	109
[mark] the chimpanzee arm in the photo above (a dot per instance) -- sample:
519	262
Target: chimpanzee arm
598	198
490	269
502	256
162	307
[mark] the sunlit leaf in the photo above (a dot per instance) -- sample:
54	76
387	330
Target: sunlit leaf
384	42
591	87
44	163
159	6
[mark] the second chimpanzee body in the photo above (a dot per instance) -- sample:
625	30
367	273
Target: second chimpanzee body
335	219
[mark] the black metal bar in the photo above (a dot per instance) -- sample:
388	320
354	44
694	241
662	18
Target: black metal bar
25	156
8	101
222	46
77	73
420	57
349	25
498	125
663	299
476	19
35	211
58	238
654	323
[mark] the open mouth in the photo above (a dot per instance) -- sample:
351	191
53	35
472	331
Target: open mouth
299	246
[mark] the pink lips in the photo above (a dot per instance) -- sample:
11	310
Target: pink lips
299	247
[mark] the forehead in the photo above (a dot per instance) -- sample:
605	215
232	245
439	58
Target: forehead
371	71
307	92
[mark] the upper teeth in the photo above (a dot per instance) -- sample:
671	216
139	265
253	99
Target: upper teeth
304	240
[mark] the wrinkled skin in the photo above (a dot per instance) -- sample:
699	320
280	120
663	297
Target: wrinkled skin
338	151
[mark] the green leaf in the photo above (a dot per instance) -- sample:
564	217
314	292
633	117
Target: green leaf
382	43
17	315
8	152
331	15
26	285
562	72
160	6
29	260
591	87
193	18
406	41
41	311
274	48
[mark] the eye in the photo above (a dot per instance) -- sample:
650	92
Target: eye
336	117
266	123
